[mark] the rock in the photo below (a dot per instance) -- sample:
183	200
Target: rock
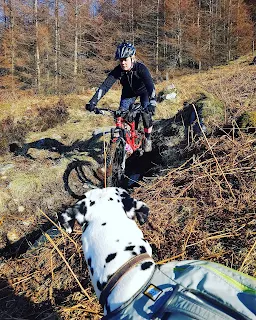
13	236
5	167
56	137
21	209
210	111
253	61
170	133
171	96
168	93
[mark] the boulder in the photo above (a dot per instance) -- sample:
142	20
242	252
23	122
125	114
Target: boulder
168	93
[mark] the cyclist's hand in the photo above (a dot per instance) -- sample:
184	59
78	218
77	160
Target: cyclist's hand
98	111
151	109
118	113
90	106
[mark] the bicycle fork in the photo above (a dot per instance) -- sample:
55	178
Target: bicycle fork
123	155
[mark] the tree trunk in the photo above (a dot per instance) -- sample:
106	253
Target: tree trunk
179	37
132	21
5	4
57	46
157	36
199	34
76	46
229	27
37	53
12	44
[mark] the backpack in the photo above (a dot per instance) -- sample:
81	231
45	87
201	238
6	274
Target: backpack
192	289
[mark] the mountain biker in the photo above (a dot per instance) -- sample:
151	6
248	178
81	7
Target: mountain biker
136	81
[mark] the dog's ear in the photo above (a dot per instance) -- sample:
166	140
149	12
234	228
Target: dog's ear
141	211
77	212
67	220
134	207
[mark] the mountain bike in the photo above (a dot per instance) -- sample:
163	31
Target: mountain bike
126	139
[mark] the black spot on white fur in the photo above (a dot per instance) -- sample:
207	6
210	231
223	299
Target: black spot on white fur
111	199
110	257
146	265
83	208
127	201
89	261
92	203
142	214
92	271
110	276
85	225
142	249
129	248
101	286
104	223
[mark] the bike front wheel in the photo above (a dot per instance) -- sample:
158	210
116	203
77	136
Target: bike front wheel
116	157
79	177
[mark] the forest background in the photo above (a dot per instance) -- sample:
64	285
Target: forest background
65	46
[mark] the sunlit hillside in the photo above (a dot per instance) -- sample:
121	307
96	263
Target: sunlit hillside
202	205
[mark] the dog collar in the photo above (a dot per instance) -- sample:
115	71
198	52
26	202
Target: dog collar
113	281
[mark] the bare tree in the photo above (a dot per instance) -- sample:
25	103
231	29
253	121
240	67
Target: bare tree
37	54
76	43
11	13
157	36
57	46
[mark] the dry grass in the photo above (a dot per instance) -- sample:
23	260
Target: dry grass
199	215
205	207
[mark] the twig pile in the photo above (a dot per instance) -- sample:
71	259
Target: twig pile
205	209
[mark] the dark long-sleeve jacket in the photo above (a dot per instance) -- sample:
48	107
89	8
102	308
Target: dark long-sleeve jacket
135	82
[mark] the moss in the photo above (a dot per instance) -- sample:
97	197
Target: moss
24	186
210	109
247	120
211	106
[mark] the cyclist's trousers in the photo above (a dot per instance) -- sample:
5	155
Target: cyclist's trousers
144	100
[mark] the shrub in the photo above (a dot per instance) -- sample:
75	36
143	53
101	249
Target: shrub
43	118
49	116
11	131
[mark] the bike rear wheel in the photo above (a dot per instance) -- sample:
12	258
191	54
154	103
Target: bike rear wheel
116	164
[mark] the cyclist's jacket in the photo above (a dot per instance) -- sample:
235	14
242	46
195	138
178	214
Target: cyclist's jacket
135	82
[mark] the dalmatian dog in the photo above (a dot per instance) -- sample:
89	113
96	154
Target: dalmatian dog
110	239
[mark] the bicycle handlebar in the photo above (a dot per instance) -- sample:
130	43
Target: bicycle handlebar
114	112
101	111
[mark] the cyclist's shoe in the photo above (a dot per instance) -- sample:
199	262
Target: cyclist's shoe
148	145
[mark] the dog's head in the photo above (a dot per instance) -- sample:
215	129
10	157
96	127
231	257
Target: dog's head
101	202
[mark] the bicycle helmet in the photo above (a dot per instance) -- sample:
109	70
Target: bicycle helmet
124	50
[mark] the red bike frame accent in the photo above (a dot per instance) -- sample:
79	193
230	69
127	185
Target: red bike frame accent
131	134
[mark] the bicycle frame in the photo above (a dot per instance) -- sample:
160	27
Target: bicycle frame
129	134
